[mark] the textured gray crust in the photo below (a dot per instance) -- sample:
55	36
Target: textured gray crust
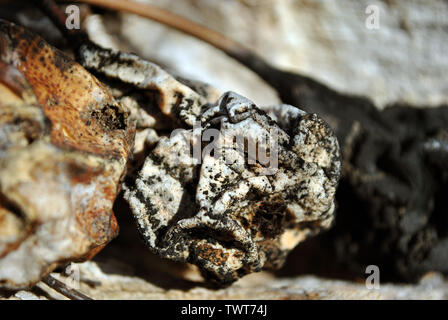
235	217
174	99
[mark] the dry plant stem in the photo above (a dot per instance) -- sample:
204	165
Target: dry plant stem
62	288
232	48
172	20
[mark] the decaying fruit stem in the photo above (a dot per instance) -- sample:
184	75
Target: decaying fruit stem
229	46
172	20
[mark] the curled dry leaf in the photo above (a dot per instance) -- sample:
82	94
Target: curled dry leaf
227	214
64	145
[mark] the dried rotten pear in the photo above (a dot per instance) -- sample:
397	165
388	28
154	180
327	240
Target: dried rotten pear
227	211
64	145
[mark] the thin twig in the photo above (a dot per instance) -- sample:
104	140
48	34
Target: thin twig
62	288
173	20
232	48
